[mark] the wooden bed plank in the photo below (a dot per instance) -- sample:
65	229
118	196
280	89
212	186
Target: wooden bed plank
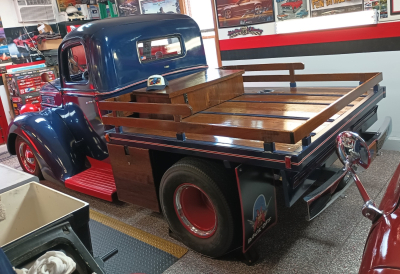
302	90
290	99
273	109
246	122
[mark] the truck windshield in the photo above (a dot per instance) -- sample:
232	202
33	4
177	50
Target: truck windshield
161	48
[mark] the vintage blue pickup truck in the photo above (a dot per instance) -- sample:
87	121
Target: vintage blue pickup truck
207	150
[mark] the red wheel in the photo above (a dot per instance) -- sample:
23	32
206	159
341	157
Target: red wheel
199	199
195	210
26	158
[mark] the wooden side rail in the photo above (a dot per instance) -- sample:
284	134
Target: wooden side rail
305	129
180	127
291	67
362	77
152	108
267	136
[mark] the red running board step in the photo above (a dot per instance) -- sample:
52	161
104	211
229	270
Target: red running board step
97	181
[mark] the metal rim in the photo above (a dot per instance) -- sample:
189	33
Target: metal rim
228	14
27	158
195	210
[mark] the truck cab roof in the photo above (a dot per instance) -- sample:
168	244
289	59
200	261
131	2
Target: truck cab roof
123	52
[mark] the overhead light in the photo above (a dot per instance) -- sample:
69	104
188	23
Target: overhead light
343	20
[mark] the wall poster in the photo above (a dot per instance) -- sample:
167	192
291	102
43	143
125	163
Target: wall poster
395	7
329	7
128	7
22	44
160	6
291	9
235	13
4	52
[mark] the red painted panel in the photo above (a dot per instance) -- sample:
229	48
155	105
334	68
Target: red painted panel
383	245
3	125
382	30
97	181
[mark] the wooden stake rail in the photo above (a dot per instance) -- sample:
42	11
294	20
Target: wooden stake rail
236	130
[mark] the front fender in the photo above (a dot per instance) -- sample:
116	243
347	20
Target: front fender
54	146
83	131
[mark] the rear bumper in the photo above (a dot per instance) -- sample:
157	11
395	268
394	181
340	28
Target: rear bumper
319	199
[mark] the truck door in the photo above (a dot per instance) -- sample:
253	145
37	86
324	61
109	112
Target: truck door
77	86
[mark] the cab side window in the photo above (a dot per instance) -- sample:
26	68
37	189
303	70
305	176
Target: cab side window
75	57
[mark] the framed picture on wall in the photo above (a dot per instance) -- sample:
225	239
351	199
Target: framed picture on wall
128	7
330	7
160	6
235	13
395	7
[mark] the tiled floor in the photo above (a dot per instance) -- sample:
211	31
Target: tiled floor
331	243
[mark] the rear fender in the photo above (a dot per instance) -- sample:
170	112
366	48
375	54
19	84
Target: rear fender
56	149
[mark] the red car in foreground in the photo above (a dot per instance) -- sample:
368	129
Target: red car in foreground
382	249
27	41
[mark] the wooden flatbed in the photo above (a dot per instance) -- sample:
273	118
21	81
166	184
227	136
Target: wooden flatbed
212	114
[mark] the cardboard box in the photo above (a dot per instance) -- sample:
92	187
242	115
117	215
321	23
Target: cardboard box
49	44
44	28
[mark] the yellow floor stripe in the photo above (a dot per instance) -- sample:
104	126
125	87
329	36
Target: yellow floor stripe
138	234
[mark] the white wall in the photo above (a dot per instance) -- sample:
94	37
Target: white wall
9	16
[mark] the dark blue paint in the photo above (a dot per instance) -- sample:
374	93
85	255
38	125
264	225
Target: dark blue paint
65	135
111	44
58	153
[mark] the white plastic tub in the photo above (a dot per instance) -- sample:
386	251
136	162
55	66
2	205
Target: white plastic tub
31	207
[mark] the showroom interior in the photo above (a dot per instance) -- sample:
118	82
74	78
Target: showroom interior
199	136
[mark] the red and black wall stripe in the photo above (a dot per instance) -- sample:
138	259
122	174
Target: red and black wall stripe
376	38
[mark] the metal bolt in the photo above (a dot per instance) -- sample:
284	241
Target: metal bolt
129	163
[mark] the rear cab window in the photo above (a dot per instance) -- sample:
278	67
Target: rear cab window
159	48
75	57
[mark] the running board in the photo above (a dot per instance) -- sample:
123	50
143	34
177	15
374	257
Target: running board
322	197
97	181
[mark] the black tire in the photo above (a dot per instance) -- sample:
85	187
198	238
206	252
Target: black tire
220	187
34	171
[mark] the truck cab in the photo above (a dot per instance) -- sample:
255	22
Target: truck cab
98	61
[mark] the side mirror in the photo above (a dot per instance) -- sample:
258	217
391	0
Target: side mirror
45	77
348	145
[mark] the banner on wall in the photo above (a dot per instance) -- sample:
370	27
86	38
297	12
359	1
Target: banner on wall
128	7
22	44
235	13
291	9
329	7
4	52
160	6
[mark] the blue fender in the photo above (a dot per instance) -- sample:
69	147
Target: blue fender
73	116
59	154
